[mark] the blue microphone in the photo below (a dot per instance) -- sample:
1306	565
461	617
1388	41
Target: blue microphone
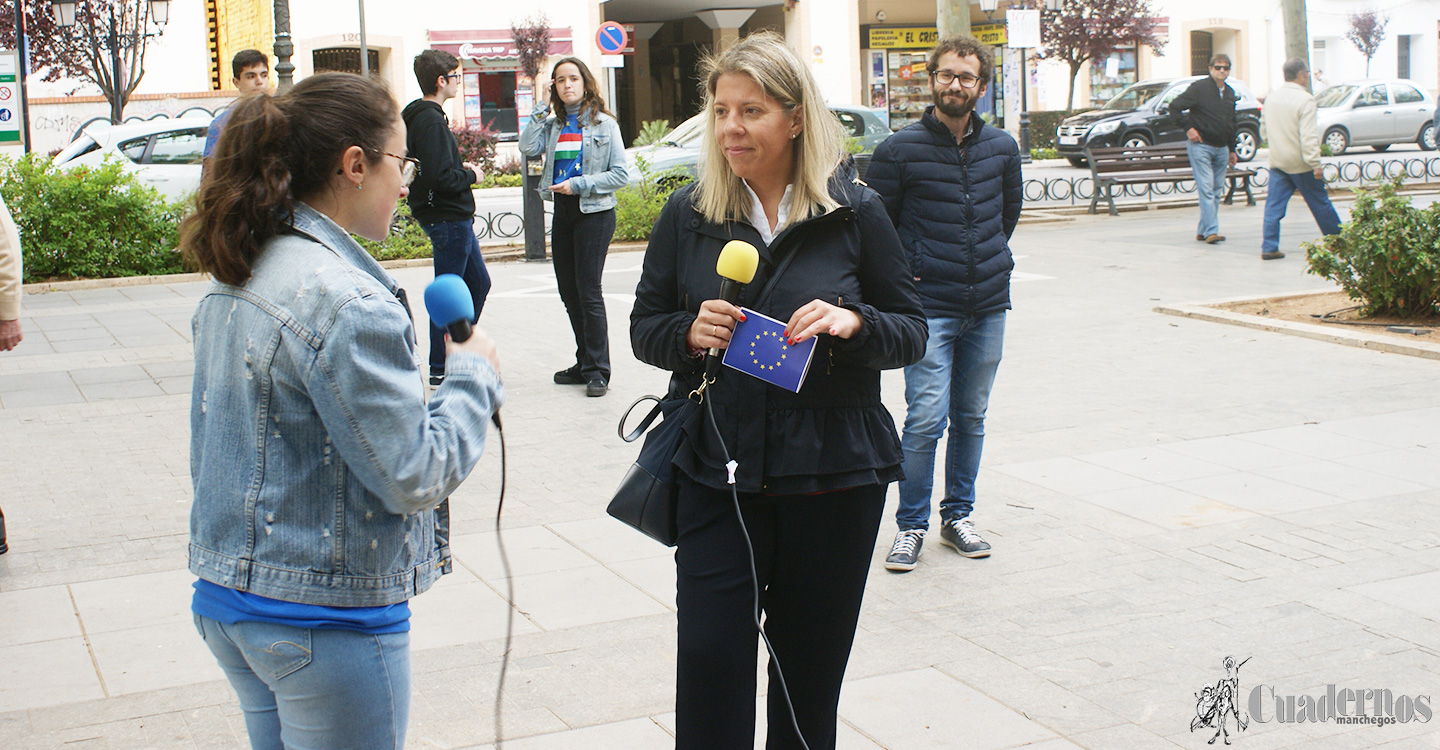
450	305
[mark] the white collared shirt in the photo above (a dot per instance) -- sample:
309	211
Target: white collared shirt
757	213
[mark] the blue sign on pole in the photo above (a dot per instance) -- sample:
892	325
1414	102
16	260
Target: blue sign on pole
611	38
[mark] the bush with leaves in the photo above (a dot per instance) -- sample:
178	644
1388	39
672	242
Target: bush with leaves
1386	257
406	241
477	146
637	206
90	222
651	132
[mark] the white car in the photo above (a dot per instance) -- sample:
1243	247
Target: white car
164	154
1375	113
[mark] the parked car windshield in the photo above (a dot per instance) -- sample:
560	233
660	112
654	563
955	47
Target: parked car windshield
1135	96
1333	96
685	133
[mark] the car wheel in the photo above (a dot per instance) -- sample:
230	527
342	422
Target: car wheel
1246	144
1337	140
1077	161
1136	140
1426	141
1381	147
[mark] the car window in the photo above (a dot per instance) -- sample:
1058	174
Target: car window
1372	96
81	146
134	148
851	122
182	147
1406	94
685	132
1334	96
1135	97
1169	96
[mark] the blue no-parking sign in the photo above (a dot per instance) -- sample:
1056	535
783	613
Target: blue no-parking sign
611	38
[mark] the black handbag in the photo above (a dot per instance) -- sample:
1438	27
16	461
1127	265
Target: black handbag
648	494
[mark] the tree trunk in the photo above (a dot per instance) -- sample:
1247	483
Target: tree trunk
1297	37
952	17
1074	73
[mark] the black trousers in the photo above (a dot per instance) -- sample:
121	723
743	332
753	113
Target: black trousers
812	554
579	242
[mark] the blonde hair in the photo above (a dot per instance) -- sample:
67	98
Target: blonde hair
719	194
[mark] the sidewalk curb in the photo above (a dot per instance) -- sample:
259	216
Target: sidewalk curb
1207	312
502	254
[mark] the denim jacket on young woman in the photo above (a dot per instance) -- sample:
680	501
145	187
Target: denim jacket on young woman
317	464
603	167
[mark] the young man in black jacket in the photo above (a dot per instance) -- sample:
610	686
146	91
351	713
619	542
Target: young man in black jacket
952	186
440	198
1208	112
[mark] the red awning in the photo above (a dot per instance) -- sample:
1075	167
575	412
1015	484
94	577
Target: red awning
494	44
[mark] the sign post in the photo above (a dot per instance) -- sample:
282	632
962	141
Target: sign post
613	39
1022	31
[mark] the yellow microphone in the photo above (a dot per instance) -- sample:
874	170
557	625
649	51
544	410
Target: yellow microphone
736	266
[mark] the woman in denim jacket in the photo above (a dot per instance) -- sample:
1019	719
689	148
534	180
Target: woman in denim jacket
317	464
584	166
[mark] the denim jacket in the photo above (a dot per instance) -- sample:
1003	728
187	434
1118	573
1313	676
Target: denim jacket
317	464
603	167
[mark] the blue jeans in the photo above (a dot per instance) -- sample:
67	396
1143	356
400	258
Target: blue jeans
1210	164
458	252
951	384
315	689
1282	186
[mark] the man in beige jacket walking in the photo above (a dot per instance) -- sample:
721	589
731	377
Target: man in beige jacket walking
1289	126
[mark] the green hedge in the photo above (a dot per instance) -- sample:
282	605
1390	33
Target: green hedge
637	206
1044	123
1386	257
90	222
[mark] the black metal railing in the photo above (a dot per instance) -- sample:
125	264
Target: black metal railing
1080	189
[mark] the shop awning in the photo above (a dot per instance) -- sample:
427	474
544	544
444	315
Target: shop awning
494	44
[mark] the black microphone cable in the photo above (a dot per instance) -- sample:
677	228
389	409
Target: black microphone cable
754	574
509	592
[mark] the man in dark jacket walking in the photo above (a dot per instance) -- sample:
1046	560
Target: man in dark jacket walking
951	184
440	197
1207	110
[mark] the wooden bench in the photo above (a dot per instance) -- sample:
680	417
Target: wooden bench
1147	165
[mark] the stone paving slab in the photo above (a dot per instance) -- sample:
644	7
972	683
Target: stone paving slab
1161	492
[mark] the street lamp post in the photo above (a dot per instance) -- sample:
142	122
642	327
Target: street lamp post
284	48
115	39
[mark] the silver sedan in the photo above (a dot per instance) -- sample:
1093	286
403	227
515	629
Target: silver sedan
1375	113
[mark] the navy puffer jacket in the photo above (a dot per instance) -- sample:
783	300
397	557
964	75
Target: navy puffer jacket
955	207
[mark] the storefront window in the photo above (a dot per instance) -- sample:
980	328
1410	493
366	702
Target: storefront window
1110	74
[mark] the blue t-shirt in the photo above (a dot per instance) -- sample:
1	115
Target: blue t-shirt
212	136
229	606
568	151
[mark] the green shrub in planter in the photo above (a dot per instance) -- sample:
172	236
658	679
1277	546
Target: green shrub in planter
90	222
407	240
1387	256
637	207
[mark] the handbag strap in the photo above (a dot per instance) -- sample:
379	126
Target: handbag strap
775	277
644	423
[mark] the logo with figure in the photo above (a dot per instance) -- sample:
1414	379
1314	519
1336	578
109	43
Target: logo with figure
1215	704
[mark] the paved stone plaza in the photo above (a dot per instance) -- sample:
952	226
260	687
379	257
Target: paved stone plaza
1161	493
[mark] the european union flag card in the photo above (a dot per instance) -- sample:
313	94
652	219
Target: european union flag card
758	348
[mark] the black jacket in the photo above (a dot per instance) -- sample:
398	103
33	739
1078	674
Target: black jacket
955	207
1210	110
834	433
441	192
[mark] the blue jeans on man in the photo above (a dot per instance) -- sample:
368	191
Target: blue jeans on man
458	252
1210	163
950	385
1282	186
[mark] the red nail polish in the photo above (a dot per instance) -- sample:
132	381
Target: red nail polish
742	317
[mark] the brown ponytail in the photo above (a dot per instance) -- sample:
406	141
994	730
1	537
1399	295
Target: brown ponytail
272	152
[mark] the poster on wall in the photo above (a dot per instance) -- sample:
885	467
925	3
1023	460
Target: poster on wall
877	95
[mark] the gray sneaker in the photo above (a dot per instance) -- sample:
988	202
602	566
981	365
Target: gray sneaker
958	534
905	552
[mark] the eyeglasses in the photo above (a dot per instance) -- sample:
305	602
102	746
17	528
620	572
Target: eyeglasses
409	167
945	78
454	76
1220	67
